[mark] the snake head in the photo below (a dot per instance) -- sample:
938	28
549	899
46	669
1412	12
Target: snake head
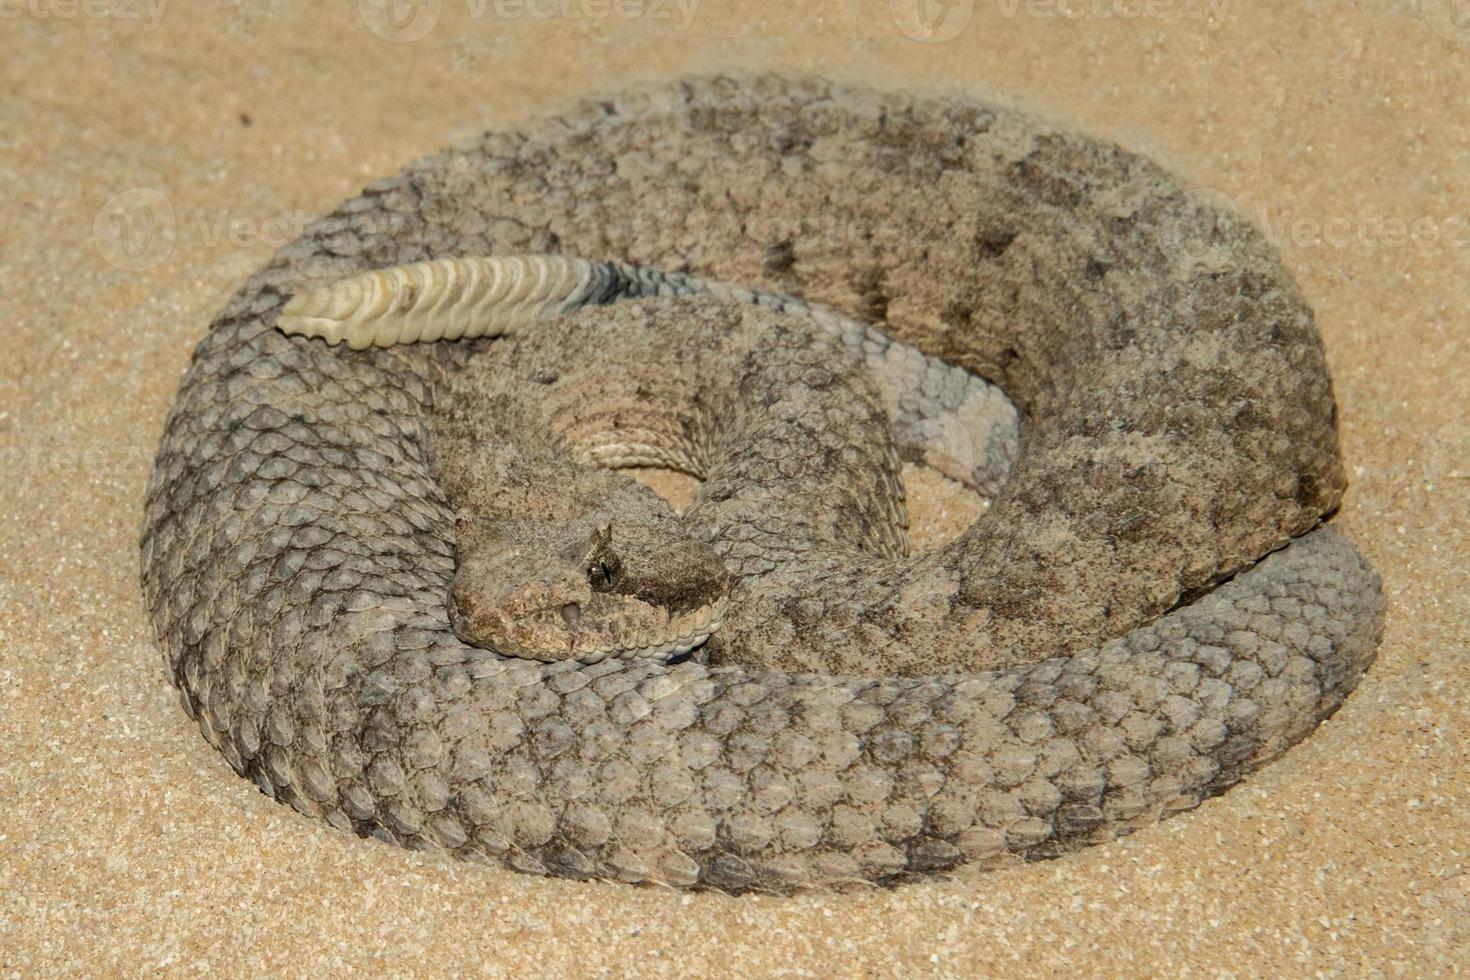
575	590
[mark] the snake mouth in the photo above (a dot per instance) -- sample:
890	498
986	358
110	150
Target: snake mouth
684	633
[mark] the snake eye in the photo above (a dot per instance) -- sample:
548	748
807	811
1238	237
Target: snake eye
602	573
601	561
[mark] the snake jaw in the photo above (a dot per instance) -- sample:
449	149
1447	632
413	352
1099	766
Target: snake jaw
685	633
510	629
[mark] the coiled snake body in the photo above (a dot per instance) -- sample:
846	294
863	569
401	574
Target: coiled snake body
1122	637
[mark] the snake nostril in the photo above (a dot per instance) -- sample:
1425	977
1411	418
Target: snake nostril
571	614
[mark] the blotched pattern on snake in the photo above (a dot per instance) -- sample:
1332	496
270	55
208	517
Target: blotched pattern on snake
1149	609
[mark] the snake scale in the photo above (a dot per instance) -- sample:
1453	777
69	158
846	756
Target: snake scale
1150	609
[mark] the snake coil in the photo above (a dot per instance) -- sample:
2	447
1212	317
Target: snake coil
1164	609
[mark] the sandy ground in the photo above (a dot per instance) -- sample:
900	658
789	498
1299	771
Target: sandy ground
126	844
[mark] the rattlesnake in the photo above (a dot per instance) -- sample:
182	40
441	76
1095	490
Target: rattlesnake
1130	650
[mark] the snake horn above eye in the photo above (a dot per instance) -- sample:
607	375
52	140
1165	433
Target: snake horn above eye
602	564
